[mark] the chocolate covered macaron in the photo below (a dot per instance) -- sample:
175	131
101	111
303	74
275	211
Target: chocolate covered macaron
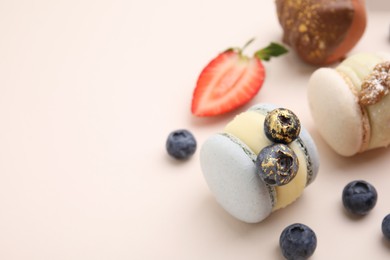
251	175
350	104
322	31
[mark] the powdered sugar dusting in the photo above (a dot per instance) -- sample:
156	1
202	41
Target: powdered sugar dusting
376	85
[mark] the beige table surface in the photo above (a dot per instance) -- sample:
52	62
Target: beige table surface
89	91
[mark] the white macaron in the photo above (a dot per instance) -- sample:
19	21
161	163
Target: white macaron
350	105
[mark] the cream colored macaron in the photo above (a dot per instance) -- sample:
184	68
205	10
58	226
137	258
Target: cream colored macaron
228	162
350	103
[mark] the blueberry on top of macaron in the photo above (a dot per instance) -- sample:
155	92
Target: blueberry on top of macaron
277	164
281	125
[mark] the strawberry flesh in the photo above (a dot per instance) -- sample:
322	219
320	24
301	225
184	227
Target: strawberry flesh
226	83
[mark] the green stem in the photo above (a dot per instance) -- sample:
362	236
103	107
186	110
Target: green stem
247	44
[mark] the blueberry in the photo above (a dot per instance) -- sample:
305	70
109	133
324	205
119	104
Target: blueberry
281	125
386	226
277	164
297	242
181	144
359	197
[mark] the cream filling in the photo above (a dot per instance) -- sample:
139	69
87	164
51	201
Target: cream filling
356	68
365	131
249	128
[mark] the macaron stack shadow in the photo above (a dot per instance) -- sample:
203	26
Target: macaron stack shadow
251	175
350	104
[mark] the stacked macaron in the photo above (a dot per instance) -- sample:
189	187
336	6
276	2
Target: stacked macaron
350	104
260	163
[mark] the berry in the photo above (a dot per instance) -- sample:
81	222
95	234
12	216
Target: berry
297	241
359	197
277	164
386	226
281	125
181	144
230	80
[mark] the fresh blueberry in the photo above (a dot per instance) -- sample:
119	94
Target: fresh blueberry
181	144
359	197
297	242
386	226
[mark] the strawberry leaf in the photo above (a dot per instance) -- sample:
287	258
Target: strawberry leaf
272	50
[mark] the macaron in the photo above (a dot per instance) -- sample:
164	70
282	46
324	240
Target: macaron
322	31
350	104
230	164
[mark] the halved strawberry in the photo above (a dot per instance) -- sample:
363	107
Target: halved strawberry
230	80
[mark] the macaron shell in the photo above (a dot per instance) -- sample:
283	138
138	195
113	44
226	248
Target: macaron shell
358	66
263	108
230	173
312	156
249	128
335	111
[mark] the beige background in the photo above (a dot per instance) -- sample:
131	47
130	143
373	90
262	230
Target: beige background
89	91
